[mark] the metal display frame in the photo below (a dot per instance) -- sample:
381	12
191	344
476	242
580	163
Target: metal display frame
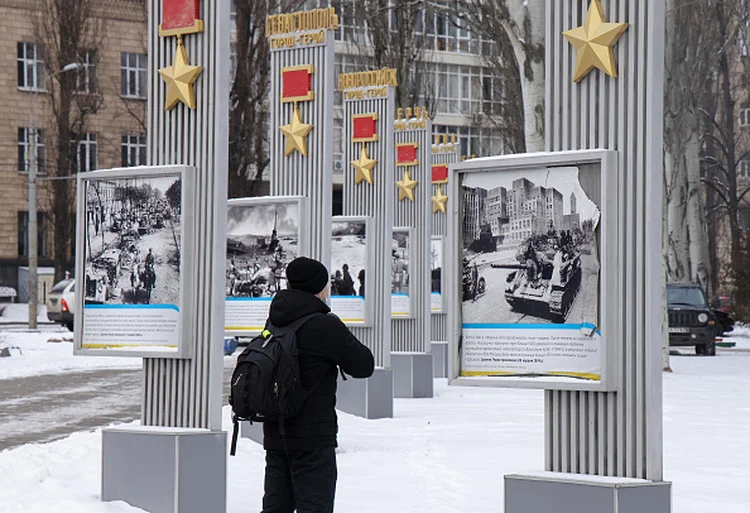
303	238
410	267
369	280
610	225
188	287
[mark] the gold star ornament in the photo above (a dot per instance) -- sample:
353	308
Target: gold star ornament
363	167
180	77
406	187
594	42
439	201
296	134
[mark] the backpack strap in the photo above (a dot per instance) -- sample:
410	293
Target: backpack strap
292	327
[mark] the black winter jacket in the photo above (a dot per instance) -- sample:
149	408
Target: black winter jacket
325	344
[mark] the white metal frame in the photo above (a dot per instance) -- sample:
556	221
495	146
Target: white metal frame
609	258
188	287
369	280
303	234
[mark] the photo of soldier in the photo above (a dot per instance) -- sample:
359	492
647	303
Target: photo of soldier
348	258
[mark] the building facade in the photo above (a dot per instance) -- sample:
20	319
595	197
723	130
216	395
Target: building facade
113	75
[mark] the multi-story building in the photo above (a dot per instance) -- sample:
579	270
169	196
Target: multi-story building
113	75
497	212
475	213
532	209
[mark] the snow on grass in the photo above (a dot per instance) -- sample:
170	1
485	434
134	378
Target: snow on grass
446	454
19	312
39	356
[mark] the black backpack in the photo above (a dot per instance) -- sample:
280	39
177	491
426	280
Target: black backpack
266	382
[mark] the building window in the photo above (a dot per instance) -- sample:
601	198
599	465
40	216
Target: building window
133	75
133	150
30	68
87	153
87	74
23	235
24	148
744	171
745	116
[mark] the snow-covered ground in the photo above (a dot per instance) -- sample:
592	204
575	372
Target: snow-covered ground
50	353
446	454
740	335
19	312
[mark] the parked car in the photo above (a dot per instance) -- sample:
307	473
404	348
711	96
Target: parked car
691	320
61	303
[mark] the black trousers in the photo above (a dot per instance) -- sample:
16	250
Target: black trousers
302	480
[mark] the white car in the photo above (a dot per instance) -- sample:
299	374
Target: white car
61	303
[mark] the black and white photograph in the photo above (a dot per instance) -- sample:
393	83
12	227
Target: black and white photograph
436	273
262	238
400	262
348	258
530	251
133	241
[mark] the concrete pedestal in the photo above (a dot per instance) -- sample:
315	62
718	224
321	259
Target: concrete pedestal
370	398
439	359
412	375
252	431
575	493
165	470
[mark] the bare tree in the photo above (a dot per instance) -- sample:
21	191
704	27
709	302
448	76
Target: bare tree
248	99
394	34
725	147
516	29
690	42
67	31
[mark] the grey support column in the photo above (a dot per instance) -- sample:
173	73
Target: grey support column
444	153
301	124
182	404
624	428
615	434
368	100
411	356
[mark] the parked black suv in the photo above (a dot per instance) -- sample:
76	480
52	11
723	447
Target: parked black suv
691	321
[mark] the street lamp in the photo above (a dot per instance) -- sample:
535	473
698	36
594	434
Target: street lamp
32	224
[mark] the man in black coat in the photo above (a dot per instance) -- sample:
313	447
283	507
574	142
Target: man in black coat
301	464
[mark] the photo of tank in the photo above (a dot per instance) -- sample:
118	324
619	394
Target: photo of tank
262	238
529	248
547	278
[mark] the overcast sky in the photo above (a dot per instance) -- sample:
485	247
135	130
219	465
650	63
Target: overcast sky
564	179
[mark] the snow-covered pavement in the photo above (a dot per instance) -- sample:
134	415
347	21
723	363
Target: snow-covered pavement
50	353
446	454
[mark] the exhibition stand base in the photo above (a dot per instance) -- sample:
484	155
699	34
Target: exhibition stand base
577	493
412	375
439	359
370	398
165	470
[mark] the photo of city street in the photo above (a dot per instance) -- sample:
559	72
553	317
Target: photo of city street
133	241
530	254
262	238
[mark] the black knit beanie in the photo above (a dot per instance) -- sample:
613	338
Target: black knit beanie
307	274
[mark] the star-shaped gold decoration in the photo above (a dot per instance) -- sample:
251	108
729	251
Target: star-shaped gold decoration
363	167
594	42
296	134
406	187
438	201
180	78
